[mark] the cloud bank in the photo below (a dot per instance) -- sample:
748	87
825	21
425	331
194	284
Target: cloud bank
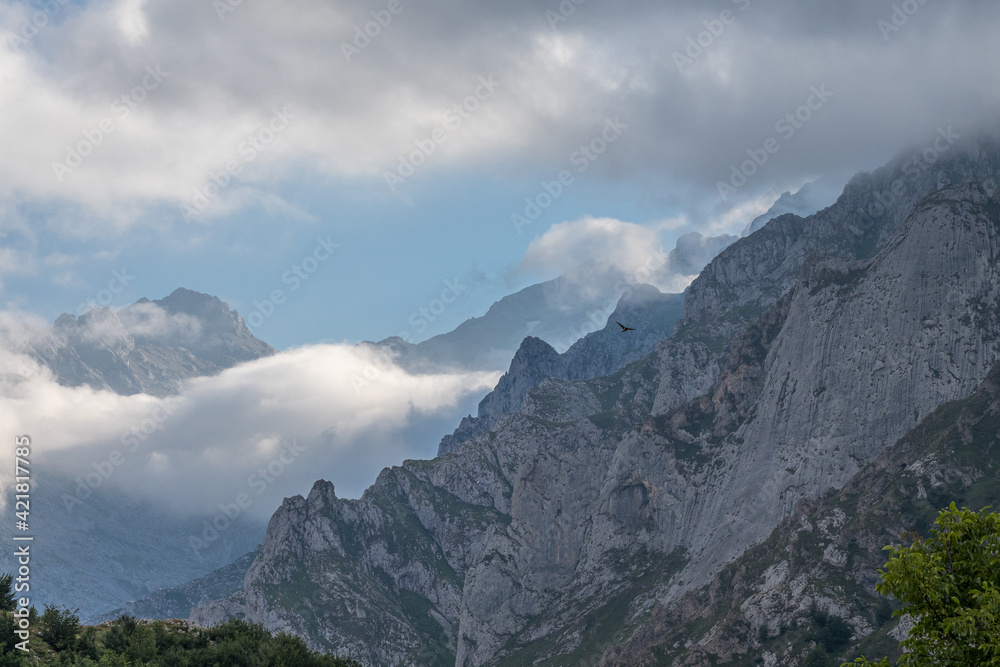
267	428
165	101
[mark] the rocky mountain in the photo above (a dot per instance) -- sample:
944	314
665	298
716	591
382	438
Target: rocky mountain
598	507
808	590
149	347
644	308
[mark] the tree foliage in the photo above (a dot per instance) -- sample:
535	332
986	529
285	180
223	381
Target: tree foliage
7	602
59	627
127	642
949	583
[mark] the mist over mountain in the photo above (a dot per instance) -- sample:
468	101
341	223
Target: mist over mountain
492	334
149	347
96	548
805	201
167	348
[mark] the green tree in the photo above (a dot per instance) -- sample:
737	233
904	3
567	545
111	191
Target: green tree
7	602
950	585
86	644
59	627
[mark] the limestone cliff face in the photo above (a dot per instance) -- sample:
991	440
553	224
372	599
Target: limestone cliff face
777	603
806	349
867	349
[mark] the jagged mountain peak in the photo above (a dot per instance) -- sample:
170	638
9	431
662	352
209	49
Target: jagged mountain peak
183	300
757	270
149	346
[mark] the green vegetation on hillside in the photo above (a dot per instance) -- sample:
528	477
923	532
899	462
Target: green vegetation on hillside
57	638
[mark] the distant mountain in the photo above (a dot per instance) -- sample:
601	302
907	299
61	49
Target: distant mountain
559	311
100	552
805	201
149	347
583	516
177	601
111	547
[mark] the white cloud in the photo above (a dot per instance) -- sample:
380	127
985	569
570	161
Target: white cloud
610	242
353	119
349	411
597	252
132	21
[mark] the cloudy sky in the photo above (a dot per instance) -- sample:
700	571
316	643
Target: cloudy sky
358	155
210	144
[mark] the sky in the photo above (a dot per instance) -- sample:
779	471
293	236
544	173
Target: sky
223	139
360	156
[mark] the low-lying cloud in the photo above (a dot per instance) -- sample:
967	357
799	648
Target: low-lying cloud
268	428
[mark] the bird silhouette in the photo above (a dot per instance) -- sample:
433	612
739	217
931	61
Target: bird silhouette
624	328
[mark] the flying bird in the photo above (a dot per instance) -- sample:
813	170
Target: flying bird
624	328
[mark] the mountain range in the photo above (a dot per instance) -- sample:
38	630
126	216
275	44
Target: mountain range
116	549
713	499
715	485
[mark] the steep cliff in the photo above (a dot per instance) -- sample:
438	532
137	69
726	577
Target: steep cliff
809	588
